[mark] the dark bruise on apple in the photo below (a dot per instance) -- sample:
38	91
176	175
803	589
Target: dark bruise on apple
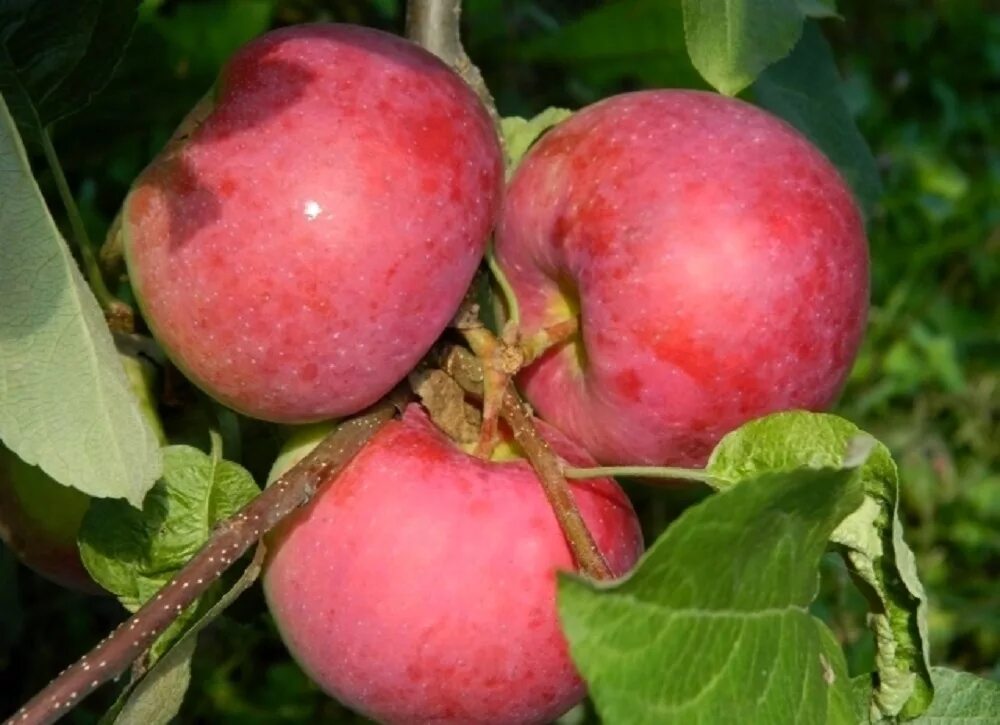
310	231
715	258
420	587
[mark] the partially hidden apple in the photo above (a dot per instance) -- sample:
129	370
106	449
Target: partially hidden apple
39	521
40	518
714	258
313	225
420	586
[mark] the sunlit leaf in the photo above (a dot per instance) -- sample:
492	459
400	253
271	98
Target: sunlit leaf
133	553
520	134
871	536
718	610
65	402
961	699
732	41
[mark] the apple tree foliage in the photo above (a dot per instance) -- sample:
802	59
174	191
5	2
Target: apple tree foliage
66	405
714	624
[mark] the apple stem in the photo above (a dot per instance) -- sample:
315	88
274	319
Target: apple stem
229	541
499	361
468	371
436	25
118	314
550	337
687	474
588	556
510	299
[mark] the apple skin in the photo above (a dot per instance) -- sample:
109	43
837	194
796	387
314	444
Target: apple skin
420	587
312	228
717	262
39	521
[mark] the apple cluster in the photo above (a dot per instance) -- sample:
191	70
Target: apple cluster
310	232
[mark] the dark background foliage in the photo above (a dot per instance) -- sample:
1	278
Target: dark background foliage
922	78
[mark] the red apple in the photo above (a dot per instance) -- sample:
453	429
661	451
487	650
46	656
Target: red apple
420	587
313	227
716	261
39	521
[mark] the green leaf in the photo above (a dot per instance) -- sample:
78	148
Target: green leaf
56	55
843	705
206	34
133	553
804	89
634	39
65	402
861	690
520	134
714	620
871	538
732	41
819	8
961	699
155	699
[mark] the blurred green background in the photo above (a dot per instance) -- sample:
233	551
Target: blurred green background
922	79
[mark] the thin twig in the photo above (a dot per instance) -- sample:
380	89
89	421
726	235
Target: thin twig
513	307
229	541
549	470
119	315
436	25
467	370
